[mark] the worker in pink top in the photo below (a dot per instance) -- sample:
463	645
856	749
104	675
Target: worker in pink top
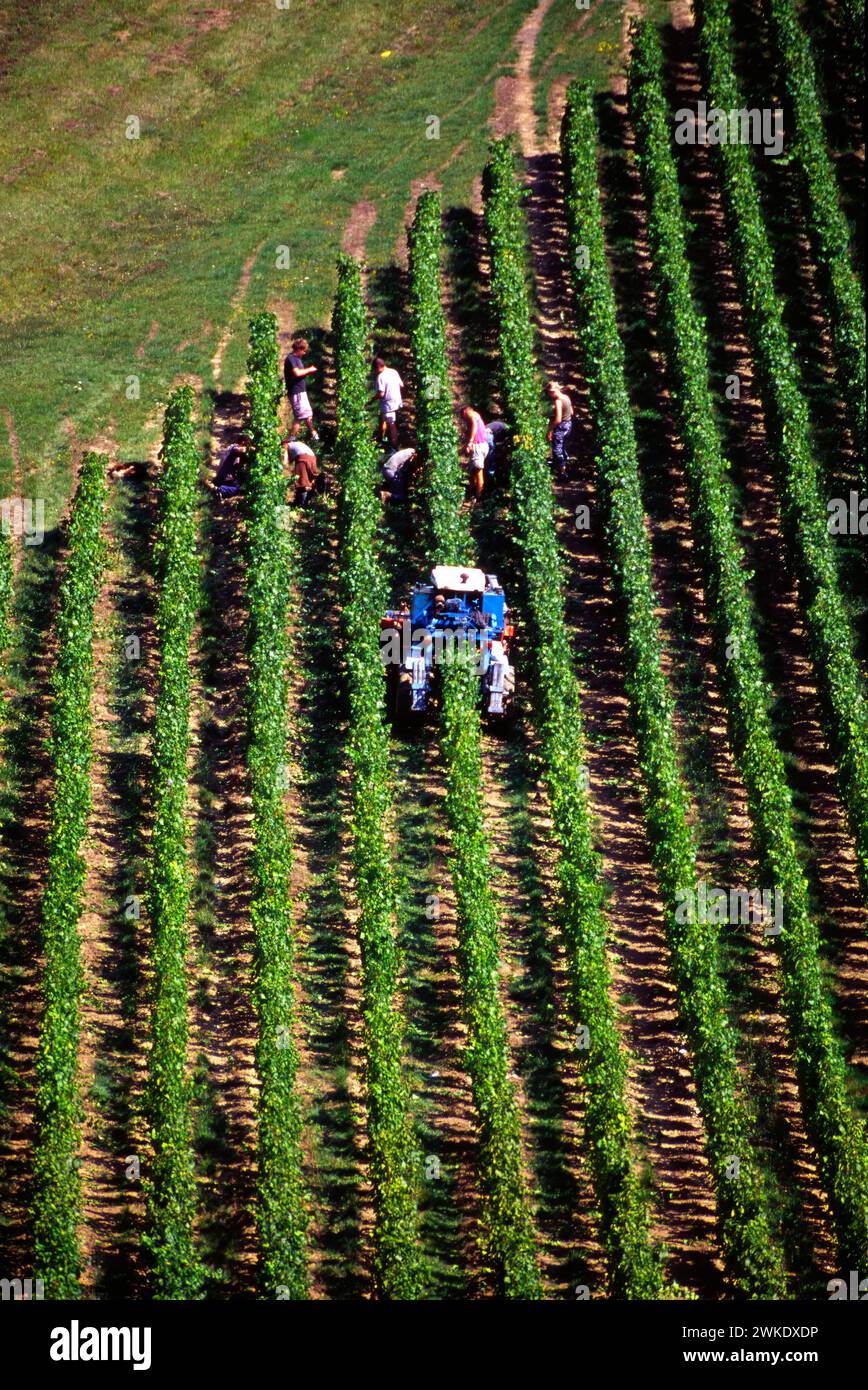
476	447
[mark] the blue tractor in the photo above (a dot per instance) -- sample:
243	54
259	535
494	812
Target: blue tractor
459	610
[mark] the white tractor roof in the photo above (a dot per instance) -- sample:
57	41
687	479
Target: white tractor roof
458	580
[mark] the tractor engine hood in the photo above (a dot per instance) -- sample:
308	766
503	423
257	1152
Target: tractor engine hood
458	579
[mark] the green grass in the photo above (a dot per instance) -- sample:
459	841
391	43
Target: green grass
575	41
241	130
582	43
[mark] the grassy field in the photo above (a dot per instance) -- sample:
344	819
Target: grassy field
258	129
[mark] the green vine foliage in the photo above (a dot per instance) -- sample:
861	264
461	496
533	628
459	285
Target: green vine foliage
634	1267
508	1236
57	1198
787	428
449	538
171	1188
281	1212
837	1134
398	1272
752	1255
830	232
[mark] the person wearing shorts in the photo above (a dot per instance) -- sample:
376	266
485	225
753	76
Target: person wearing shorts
562	426
295	374
475	447
389	390
302	459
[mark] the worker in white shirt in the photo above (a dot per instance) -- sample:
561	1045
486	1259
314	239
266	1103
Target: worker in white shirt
389	390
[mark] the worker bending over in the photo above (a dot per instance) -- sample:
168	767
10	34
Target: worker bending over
301	460
230	469
497	433
398	469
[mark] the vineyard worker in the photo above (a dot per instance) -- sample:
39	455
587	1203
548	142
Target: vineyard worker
562	426
475	447
227	479
302	459
496	431
295	374
137	469
398	469
389	390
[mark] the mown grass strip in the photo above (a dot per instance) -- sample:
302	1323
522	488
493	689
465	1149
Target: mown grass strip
57	1197
171	1186
634	1267
281	1214
508	1235
810	549
746	1238
829	229
397	1267
838	1135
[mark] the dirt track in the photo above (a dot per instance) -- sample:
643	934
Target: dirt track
113	930
660	1087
